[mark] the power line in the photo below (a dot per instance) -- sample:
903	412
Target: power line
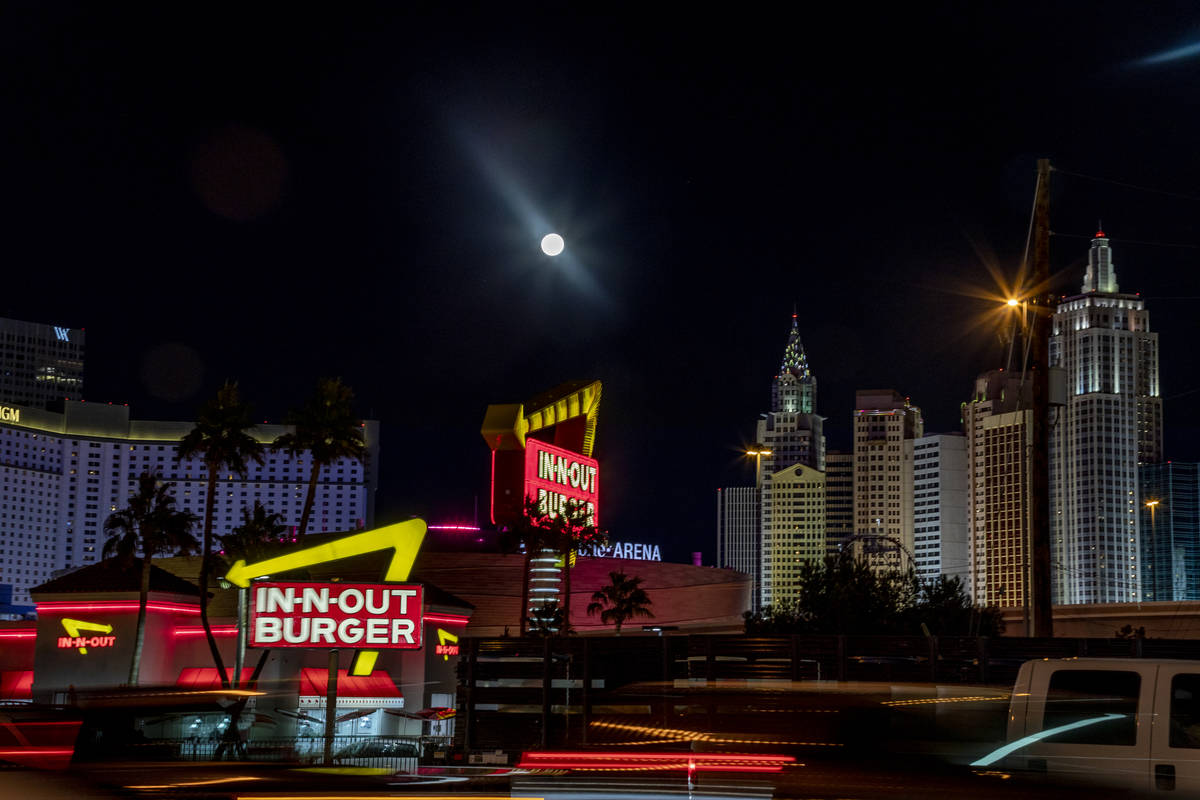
1138	187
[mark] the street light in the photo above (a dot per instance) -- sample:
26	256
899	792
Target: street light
1153	506
758	451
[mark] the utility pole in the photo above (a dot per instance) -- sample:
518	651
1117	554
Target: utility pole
1043	303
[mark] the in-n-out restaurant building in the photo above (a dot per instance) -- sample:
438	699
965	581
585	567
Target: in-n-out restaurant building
82	641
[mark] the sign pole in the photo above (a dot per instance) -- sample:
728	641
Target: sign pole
331	706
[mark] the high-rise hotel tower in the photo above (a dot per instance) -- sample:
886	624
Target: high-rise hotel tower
1111	422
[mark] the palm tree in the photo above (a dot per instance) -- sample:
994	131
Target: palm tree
549	619
570	533
533	534
326	427
151	524
621	600
258	536
254	540
220	439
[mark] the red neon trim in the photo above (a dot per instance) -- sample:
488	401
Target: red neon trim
452	528
492	493
661	756
449	619
198	630
18	634
116	605
37	751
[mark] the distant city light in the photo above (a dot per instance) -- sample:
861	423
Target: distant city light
552	244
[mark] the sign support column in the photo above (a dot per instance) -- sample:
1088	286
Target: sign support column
331	706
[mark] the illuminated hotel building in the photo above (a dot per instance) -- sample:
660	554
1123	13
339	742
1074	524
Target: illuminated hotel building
62	474
940	505
790	435
839	501
997	422
1111	423
39	363
1170	512
793	529
884	427
739	516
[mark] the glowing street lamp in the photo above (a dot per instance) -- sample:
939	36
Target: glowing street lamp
1153	506
758	451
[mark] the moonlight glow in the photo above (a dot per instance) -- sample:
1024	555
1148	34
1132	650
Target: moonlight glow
552	244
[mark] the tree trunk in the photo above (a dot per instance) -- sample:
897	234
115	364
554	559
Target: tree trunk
310	500
135	663
205	567
524	615
566	603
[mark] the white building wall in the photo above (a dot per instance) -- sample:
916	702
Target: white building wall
940	506
61	475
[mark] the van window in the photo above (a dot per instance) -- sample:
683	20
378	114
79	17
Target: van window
1185	710
1101	704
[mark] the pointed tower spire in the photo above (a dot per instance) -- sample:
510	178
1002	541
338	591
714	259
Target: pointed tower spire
795	387
1101	274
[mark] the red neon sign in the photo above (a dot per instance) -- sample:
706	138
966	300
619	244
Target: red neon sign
71	642
356	615
561	481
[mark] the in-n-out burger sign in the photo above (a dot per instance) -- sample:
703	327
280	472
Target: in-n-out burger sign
561	481
378	616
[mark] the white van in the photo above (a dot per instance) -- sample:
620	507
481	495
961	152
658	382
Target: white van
1127	723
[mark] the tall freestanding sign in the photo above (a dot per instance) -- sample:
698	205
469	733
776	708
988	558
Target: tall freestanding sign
335	616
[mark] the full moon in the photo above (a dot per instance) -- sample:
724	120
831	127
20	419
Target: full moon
552	244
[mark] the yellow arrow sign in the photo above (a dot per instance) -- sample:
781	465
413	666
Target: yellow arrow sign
74	626
404	537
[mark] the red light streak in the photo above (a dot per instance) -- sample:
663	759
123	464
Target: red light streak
448	619
198	630
111	605
693	762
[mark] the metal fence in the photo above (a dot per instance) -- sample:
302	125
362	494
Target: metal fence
520	693
397	753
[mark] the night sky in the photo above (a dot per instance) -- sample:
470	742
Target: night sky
276	195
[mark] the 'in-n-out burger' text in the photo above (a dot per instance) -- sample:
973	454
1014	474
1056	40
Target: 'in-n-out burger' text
336	615
560	481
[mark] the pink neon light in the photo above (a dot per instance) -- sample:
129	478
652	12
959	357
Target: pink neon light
449	619
114	605
693	762
453	527
18	634
198	630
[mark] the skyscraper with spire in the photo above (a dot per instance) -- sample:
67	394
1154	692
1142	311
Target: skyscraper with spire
792	430
790	485
1111	422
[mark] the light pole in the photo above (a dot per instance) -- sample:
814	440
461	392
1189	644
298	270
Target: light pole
1153	506
758	451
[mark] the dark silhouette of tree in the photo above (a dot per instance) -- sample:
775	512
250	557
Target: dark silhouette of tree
257	538
568	534
325	427
845	595
532	535
549	619
220	439
620	601
150	524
